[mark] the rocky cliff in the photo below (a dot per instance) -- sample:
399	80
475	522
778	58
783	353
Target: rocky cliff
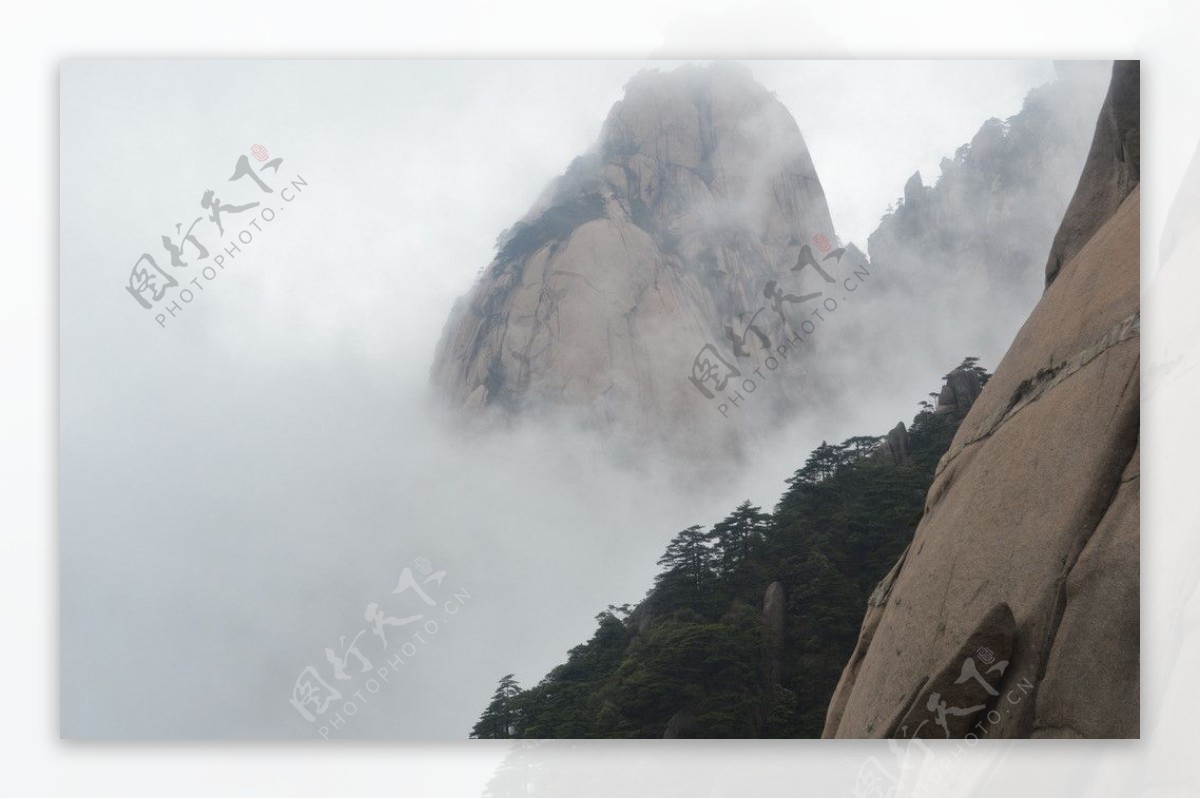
1014	612
660	270
971	246
682	263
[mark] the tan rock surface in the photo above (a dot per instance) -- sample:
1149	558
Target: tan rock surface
699	192
1112	170
1034	507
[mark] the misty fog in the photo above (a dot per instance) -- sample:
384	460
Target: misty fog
239	484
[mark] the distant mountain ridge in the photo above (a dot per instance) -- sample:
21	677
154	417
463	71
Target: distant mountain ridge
964	258
681	264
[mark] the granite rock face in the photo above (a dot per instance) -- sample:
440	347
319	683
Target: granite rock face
950	703
1034	509
1113	167
894	446
699	204
775	618
774	609
959	393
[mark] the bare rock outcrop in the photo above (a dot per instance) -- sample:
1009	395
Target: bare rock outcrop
774	617
691	227
894	446
959	393
774	609
1034	508
1112	170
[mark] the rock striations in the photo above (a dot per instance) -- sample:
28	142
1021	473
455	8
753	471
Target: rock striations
663	239
1015	610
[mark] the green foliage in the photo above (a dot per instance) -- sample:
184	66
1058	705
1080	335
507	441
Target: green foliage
738	535
696	657
971	364
688	564
501	717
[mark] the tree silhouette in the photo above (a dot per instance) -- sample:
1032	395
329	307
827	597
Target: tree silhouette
696	657
688	560
822	464
736	536
860	446
500	718
971	364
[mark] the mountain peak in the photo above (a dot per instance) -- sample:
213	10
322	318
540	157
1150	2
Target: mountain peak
657	244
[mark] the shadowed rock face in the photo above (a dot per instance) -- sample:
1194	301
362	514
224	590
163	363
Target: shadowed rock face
1113	167
961	389
775	619
894	447
950	703
1034	509
699	192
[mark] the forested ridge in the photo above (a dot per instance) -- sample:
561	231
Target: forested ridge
750	622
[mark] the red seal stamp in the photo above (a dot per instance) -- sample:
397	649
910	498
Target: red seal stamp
822	242
259	152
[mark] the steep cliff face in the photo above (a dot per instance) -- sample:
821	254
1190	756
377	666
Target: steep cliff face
1113	169
1015	610
662	240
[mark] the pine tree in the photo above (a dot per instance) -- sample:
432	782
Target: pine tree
501	717
860	446
688	560
737	535
696	651
822	464
971	364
